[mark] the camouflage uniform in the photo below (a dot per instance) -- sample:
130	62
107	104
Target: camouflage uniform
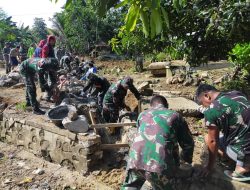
114	100
230	112
154	154
28	69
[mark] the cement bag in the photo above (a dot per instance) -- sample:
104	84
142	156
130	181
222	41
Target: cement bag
80	125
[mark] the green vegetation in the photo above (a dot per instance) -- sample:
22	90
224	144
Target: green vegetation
10	32
21	107
240	58
197	30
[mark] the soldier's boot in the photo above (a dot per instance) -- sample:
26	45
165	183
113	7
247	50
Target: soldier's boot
38	111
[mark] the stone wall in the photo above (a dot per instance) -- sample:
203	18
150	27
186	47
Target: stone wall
36	135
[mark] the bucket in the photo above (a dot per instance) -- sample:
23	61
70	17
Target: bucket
57	114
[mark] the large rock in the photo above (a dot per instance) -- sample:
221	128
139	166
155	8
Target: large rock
14	75
183	105
8	82
158	65
80	125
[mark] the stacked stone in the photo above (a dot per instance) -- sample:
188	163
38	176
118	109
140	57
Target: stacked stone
75	151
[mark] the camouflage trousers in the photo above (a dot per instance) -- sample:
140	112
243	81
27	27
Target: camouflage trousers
29	80
110	113
135	179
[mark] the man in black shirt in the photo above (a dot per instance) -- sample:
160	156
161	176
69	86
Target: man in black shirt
100	84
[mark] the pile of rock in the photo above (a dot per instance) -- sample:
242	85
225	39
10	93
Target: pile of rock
188	79
11	79
184	80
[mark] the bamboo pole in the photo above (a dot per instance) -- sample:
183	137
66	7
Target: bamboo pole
113	146
104	125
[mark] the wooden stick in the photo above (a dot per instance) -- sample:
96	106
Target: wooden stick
139	107
104	125
93	121
113	146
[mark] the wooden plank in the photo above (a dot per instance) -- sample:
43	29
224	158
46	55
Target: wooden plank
139	107
104	125
93	121
113	146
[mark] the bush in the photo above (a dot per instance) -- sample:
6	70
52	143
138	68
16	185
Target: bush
240	57
161	56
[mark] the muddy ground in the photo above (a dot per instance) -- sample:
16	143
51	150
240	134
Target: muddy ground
17	166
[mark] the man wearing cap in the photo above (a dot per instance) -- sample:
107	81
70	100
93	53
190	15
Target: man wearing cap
100	84
228	113
6	56
114	99
28	69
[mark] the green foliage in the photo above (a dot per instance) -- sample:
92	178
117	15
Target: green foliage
207	29
9	32
237	84
152	15
39	30
240	57
79	28
21	107
161	56
8	29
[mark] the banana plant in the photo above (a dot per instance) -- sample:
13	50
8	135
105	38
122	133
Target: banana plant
152	13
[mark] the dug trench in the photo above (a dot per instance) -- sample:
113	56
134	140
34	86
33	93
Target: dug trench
76	161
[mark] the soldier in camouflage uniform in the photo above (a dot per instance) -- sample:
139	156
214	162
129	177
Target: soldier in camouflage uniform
28	69
114	98
229	113
154	154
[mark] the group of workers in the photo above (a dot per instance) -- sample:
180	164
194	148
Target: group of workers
154	154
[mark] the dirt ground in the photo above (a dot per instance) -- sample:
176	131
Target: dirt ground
17	166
